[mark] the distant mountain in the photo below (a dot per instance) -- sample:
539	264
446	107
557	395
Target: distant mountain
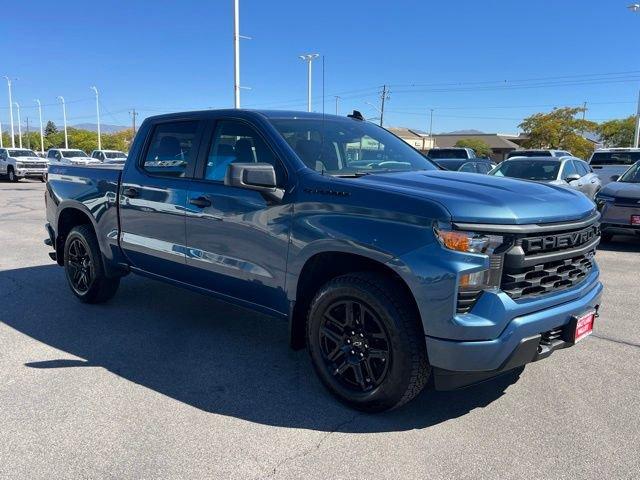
104	128
463	132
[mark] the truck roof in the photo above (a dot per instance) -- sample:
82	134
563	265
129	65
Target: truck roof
243	111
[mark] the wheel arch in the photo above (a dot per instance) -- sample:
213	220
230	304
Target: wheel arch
321	267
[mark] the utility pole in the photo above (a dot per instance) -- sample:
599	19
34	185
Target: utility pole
1	145
636	138
41	131
13	140
28	137
309	58
98	115
383	98
337	100
134	114
64	118
19	122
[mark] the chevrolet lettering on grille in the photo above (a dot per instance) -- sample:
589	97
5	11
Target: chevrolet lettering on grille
560	241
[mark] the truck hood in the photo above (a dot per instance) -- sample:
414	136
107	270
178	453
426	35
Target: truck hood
622	190
475	198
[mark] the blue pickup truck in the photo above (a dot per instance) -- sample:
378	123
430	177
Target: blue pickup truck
390	271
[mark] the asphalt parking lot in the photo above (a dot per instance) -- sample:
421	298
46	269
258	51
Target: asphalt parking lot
164	383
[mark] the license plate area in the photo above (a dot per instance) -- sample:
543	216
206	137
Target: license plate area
635	220
580	326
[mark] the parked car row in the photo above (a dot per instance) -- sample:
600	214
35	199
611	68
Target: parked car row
17	163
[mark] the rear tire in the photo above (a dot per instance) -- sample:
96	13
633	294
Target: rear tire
366	342
84	267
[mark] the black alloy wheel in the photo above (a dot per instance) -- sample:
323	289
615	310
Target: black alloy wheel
80	271
355	345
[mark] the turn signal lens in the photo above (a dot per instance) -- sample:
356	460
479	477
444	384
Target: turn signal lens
469	242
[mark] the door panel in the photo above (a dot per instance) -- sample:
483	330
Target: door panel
237	239
153	199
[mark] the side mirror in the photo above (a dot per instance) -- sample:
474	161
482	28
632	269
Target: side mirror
614	178
572	178
260	177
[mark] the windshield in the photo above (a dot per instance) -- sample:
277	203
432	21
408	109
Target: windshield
541	170
115	154
73	153
614	158
348	147
632	175
22	153
437	153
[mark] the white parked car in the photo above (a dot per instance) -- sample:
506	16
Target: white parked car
109	156
70	156
17	163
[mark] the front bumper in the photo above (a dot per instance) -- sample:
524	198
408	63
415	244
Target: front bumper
31	172
460	363
617	219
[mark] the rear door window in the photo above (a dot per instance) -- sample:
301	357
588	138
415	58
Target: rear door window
172	149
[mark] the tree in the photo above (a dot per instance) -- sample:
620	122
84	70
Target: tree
617	133
559	129
50	129
481	147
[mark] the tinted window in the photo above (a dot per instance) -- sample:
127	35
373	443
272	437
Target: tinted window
437	153
582	168
568	170
172	148
542	170
51	154
236	142
614	158
469	167
632	175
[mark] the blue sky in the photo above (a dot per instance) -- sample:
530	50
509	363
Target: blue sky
479	64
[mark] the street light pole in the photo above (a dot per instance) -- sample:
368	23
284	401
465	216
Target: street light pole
41	131
19	127
309	58
13	141
236	53
337	99
431	128
98	114
1	145
64	118
636	137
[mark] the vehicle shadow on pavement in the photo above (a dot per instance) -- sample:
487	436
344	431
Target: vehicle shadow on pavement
203	352
621	244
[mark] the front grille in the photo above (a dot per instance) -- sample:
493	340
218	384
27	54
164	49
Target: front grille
547	277
32	165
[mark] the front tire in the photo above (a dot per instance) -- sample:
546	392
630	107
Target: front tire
84	267
366	342
11	175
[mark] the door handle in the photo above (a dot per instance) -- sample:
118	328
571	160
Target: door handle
130	192
200	202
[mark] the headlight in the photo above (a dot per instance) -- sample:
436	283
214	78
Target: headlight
469	242
472	242
602	200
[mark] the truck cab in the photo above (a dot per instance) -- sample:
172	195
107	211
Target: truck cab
610	163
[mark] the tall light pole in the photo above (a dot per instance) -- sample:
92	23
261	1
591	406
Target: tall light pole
98	114
431	128
19	122
236	53
41	130
309	58
64	118
13	141
636	137
337	100
1	145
